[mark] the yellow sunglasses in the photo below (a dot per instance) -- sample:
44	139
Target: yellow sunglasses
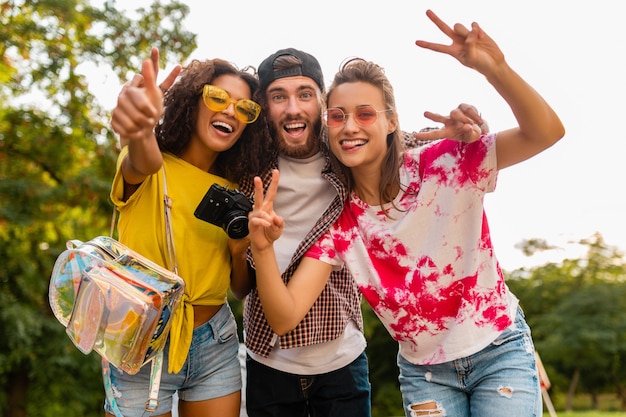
217	100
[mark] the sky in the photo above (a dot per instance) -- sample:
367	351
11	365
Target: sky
570	52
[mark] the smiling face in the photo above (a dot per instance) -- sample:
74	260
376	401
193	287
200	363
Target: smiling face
360	148
216	132
294	114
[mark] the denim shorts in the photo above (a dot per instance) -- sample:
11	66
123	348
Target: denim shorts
501	379
212	370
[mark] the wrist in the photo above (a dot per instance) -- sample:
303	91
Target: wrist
261	251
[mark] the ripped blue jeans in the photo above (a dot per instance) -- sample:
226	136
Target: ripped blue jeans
501	379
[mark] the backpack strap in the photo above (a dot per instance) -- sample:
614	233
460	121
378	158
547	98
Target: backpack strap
108	389
169	232
157	361
155	382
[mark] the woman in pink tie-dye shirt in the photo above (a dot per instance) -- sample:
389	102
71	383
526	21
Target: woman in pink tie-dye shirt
414	235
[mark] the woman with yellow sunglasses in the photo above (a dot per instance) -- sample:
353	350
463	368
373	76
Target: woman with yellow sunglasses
201	132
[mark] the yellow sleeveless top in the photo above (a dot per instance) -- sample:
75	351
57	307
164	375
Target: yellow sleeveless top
201	248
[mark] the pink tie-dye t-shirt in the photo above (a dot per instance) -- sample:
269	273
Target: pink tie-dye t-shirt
428	269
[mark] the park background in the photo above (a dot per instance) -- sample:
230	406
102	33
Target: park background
557	219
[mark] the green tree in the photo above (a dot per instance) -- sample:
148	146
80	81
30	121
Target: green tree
57	159
576	311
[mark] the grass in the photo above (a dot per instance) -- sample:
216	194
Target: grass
588	414
609	404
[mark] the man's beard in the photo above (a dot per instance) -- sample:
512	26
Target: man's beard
309	148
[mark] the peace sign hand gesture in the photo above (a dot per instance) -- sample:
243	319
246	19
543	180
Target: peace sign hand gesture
472	48
265	226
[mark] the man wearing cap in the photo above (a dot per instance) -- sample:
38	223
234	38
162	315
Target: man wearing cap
319	367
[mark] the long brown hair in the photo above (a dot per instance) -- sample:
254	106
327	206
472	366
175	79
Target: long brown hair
178	123
359	70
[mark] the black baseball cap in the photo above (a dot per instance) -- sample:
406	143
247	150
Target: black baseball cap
309	67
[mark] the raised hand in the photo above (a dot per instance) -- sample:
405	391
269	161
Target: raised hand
472	48
464	124
264	224
140	103
538	128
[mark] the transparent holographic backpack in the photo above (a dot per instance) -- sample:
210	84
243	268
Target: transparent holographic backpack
114	301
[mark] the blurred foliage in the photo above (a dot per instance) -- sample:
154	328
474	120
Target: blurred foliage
576	311
57	160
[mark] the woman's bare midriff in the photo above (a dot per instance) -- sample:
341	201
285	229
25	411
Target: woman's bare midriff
202	314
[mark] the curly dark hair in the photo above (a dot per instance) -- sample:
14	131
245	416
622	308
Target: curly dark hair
181	101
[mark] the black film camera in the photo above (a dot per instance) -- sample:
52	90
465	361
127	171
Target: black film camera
227	209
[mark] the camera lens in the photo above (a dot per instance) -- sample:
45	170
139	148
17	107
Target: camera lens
236	225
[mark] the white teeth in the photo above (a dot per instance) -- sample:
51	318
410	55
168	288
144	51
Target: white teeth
295	126
353	142
225	126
